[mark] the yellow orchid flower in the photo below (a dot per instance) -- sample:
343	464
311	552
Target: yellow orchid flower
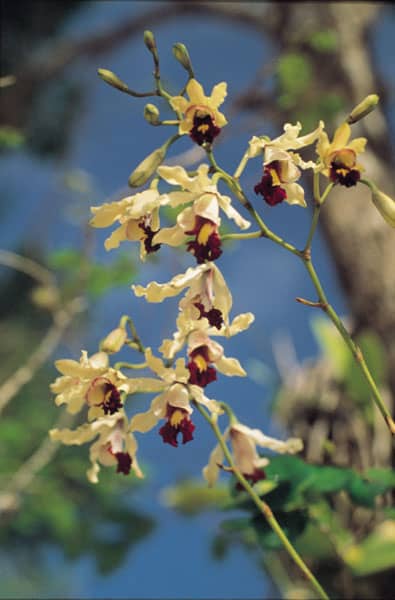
280	166
201	117
244	441
138	218
90	382
116	445
339	157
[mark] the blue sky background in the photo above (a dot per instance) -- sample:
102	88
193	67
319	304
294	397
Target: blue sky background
109	140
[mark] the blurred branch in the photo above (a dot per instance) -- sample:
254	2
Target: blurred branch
23	478
62	319
28	266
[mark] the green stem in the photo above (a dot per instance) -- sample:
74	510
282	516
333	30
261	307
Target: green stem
356	351
263	507
235	187
242	236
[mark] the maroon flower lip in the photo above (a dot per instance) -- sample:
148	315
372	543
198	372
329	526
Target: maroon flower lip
272	194
149	234
178	421
204	129
207	242
201	373
124	462
214	315
344	175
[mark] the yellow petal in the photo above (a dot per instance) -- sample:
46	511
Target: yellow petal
218	94
196	92
341	137
358	145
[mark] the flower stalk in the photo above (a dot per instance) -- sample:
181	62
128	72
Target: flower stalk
263	507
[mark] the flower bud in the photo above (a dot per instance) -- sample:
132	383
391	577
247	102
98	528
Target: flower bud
149	40
363	108
151	114
385	205
112	79
114	341
181	54
45	296
147	167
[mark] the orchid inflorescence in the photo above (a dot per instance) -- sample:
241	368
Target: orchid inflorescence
179	383
206	302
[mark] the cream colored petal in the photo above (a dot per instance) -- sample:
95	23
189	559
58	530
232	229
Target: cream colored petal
218	94
105	215
175	176
172	236
230	367
223	297
241	323
358	145
295	194
220	119
144	203
256	146
291	445
231	212
177	395
117	236
144	384
155	363
196	92
99	360
207	207
81	435
179	198
341	137
211	470
323	145
309	138
143	422
179	103
197	393
156	292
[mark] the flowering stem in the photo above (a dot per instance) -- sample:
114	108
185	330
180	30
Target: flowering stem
263	507
242	236
235	187
356	351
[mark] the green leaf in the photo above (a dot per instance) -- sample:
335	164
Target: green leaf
325	41
294	73
293	524
376	553
375	357
193	497
332	344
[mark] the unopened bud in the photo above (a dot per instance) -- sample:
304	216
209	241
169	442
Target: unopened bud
151	114
114	341
181	54
147	167
45	296
384	204
112	79
149	40
363	108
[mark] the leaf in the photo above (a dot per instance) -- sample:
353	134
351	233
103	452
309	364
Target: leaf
375	357
293	524
332	345
294	72
325	41
193	497
376	553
